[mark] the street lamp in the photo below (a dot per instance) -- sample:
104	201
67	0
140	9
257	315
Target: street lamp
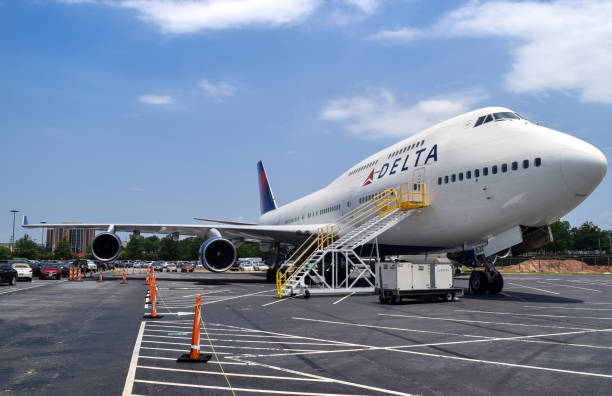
13	211
42	234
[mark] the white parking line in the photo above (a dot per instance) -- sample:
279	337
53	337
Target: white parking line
129	381
248	341
235	374
32	287
573	287
533	315
234	297
229	346
269	391
484	322
580	308
174	360
534	288
277	301
184	350
348	295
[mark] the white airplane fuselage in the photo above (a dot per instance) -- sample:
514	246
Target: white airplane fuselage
554	173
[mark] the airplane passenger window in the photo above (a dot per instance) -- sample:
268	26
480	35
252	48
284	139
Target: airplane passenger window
445	179
477	172
514	165
460	175
489	118
494	169
538	161
479	121
439	180
504	167
525	164
468	174
422	142
485	171
453	178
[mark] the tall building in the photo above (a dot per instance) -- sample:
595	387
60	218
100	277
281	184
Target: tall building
78	238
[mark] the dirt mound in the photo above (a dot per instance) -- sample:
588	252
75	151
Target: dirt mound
556	266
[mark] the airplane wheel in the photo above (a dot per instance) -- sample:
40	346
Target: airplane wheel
497	284
478	282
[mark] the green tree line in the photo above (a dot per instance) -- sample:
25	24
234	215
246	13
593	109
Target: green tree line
588	236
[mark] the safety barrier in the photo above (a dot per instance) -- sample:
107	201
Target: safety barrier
194	355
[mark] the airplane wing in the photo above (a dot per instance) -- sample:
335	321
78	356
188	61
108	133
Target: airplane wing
264	233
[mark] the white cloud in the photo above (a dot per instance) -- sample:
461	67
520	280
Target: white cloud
220	90
561	45
404	34
367	6
378	113
156	99
189	16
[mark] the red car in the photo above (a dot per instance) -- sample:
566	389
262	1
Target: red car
187	268
50	271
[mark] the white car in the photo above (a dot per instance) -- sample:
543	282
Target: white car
246	267
260	267
24	271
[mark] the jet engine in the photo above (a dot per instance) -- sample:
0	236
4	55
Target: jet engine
217	254
106	246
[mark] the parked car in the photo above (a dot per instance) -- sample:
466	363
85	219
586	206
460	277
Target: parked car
50	271
24	271
65	268
187	268
86	265
171	267
260	267
246	266
7	273
35	265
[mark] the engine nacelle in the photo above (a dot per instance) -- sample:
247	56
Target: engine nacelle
106	246
217	254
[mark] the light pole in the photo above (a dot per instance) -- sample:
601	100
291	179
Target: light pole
42	235
13	211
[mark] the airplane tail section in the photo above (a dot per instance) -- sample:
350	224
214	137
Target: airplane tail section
266	198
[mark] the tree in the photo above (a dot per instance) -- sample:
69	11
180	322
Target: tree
562	236
189	248
168	248
251	249
589	236
25	247
62	250
135	248
5	253
151	245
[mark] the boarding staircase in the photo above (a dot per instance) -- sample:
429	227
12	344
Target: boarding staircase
327	263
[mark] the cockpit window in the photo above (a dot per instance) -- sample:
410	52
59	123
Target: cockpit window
479	121
489	118
505	115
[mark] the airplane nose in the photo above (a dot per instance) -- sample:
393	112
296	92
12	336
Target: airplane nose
583	167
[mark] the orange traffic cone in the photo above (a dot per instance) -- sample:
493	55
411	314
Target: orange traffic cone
194	355
153	301
90	273
114	270
100	277
123	281
79	275
132	270
71	277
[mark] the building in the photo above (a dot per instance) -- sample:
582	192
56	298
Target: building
77	237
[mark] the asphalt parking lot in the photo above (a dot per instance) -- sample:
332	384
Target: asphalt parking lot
546	334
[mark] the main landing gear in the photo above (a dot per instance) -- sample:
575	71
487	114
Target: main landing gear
488	280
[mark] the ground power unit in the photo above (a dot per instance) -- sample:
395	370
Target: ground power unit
398	280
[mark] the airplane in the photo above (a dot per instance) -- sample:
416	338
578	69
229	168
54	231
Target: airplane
494	180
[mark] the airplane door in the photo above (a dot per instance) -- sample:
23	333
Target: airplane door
418	176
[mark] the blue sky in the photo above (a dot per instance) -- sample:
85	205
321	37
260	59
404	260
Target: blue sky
157	111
